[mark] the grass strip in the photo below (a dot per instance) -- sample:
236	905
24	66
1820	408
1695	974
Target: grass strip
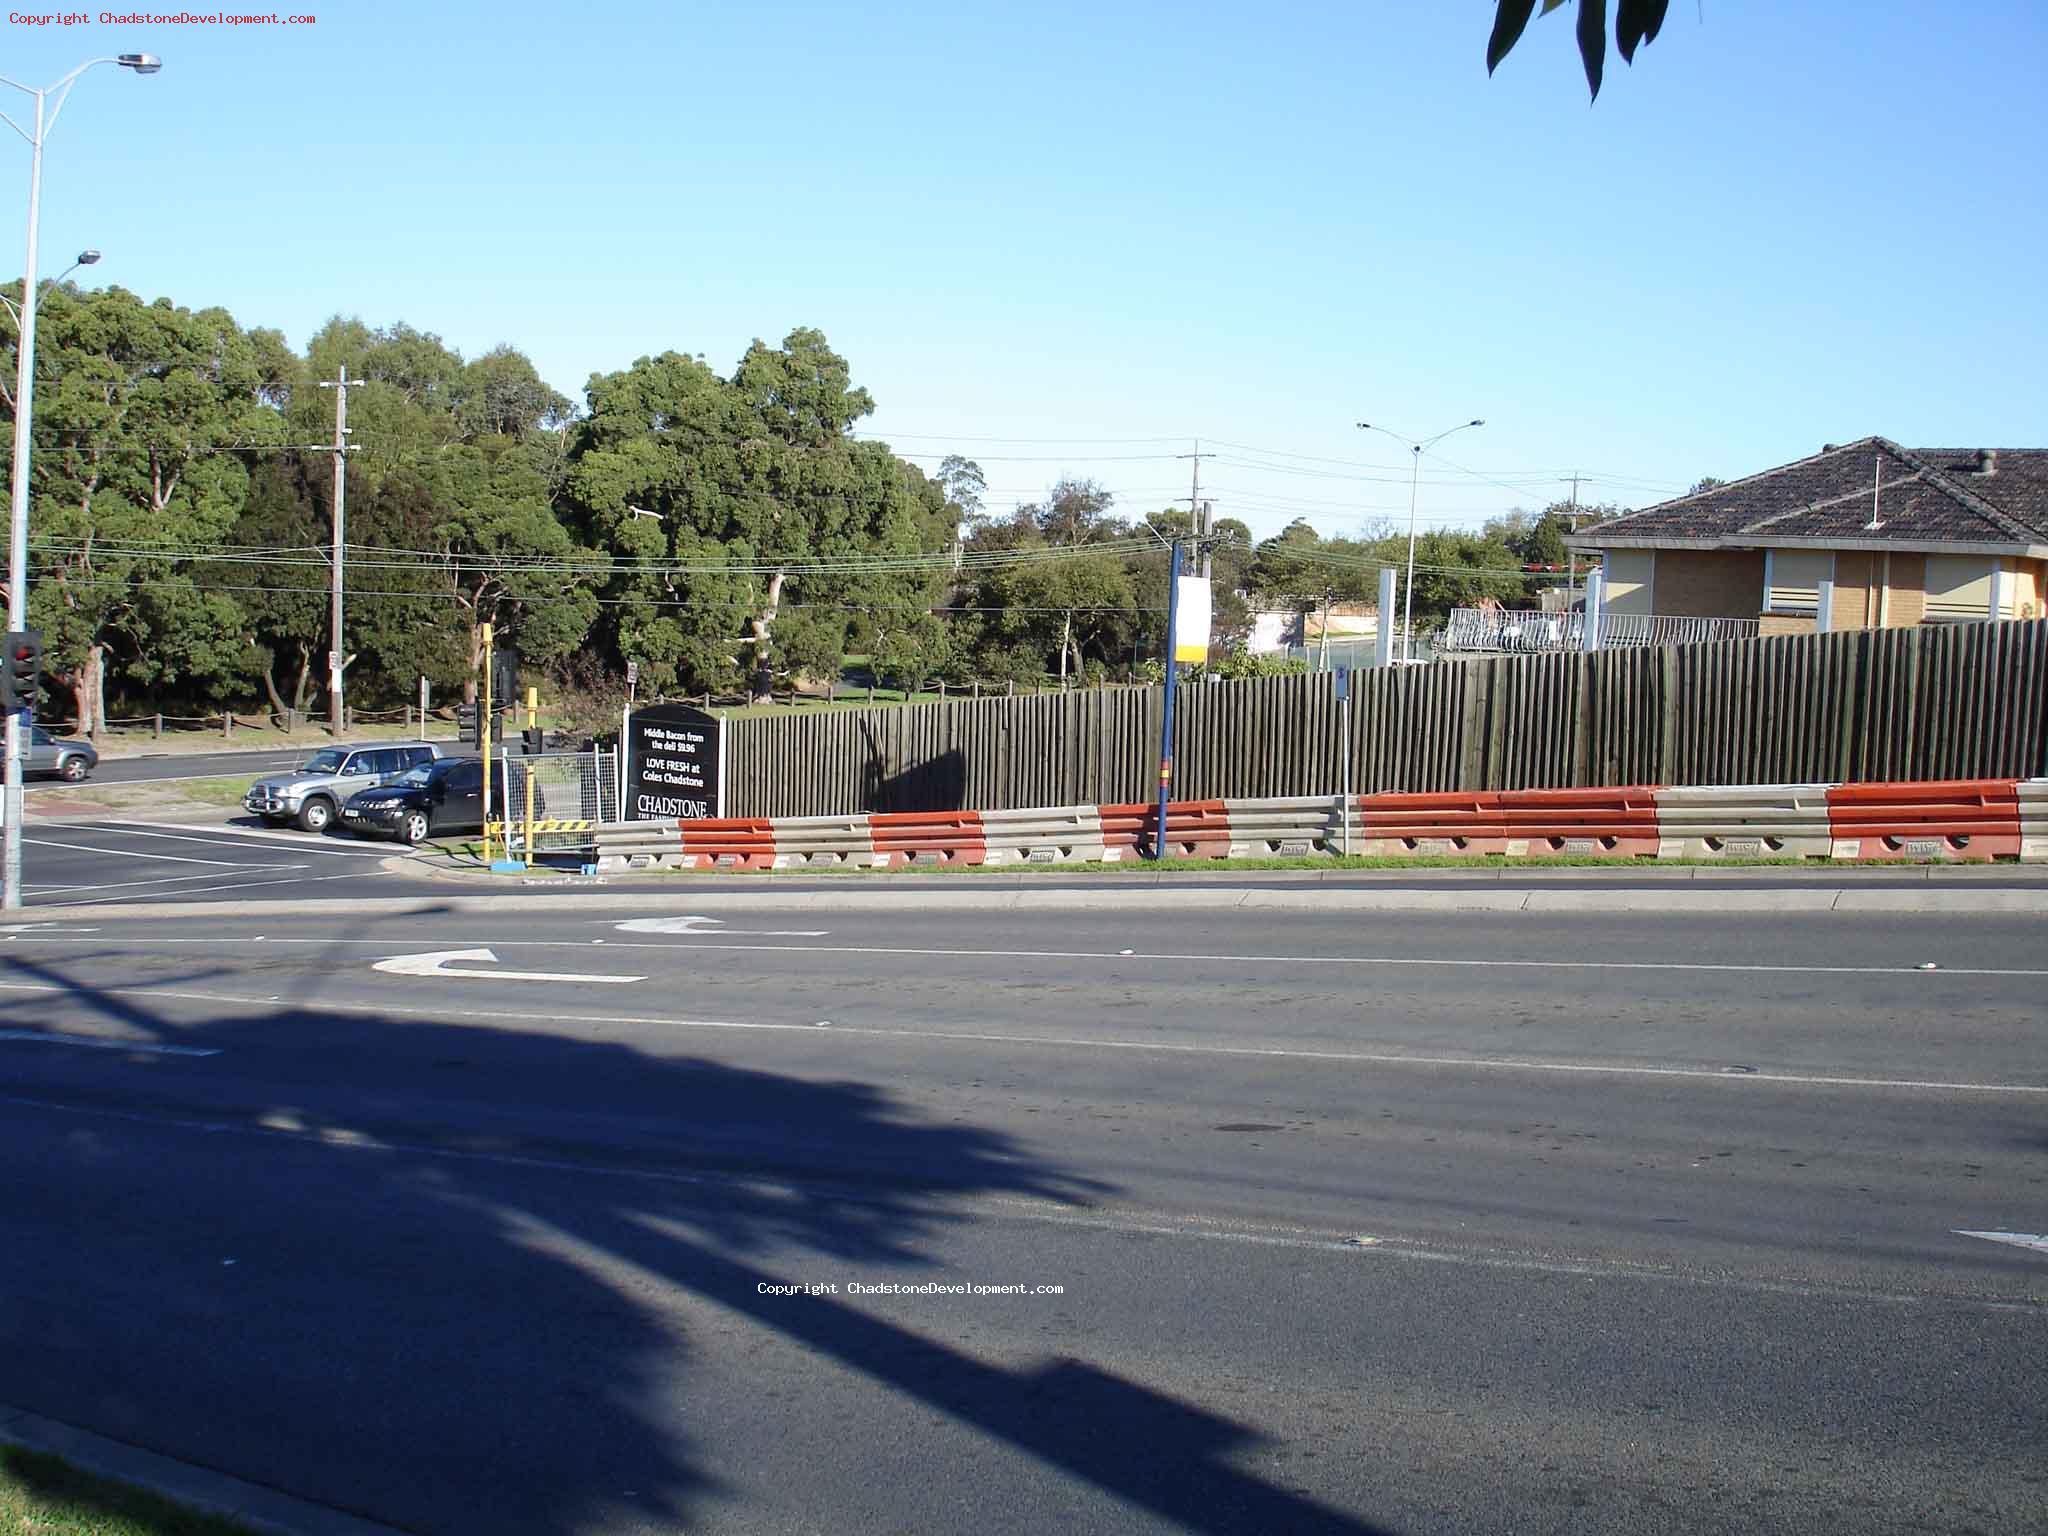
42	1495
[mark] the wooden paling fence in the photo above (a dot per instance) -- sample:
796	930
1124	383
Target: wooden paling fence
1938	702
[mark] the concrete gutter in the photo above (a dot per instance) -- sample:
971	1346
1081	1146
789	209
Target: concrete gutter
200	1488
957	895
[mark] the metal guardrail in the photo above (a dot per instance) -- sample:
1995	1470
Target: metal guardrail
1974	820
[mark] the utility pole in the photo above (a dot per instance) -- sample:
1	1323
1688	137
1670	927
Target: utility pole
1571	579
1198	513
335	660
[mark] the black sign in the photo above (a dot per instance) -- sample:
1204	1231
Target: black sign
673	765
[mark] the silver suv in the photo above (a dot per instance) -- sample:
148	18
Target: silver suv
312	793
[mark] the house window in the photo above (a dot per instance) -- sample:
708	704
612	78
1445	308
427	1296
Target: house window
1792	579
1959	588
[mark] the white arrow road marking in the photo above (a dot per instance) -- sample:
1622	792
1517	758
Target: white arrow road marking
438	963
2033	1240
708	924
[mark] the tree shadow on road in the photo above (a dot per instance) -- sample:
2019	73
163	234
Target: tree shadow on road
459	1276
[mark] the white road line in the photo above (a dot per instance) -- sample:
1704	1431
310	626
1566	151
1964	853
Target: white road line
2033	1240
1065	1042
100	1043
123	885
134	853
300	842
1129	1222
688	943
245	885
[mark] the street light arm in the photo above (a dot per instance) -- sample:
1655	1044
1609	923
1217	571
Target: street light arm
60	89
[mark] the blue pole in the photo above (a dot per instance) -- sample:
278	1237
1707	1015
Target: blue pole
1166	715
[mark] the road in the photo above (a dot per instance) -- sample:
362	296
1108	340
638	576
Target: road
1363	1222
75	863
169	767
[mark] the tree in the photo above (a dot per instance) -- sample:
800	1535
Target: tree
1060	598
139	409
746	525
284	606
965	486
1635	22
505	559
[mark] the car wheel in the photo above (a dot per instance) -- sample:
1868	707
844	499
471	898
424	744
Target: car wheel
415	827
73	769
316	815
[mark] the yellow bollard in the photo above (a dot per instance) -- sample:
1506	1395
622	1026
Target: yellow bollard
529	818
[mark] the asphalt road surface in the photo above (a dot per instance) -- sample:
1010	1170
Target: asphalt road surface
1362	1223
71	864
169	767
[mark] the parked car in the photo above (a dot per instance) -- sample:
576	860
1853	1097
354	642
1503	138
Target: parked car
313	793
444	796
69	760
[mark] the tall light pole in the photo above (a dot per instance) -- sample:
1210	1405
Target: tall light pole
49	101
1415	450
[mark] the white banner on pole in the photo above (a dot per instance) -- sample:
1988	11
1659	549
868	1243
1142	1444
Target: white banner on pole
1191	620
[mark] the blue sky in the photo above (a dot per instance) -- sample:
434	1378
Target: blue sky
1071	238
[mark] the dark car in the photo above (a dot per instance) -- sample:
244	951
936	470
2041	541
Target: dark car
69	760
443	796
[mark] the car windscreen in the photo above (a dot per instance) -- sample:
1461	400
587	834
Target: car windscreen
416	777
322	762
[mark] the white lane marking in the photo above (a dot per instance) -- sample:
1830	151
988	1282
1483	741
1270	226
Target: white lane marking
304	842
99	1043
245	885
130	885
1025	1211
440	961
984	1037
42	928
2033	1240
1210	958
136	853
708	924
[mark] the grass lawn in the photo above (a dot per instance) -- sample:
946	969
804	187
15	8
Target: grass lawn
227	792
43	1496
132	741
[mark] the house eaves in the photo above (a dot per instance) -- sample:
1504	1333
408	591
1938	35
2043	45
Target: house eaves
1741	542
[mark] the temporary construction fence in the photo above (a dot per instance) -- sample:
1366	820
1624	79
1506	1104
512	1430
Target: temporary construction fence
553	800
1971	820
1944	701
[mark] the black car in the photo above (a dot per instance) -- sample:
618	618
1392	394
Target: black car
443	796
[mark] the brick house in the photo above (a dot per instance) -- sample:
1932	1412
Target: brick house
1897	536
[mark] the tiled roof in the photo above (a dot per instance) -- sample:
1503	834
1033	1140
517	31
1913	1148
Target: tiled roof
1922	496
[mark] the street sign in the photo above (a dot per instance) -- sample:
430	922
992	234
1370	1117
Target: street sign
632	674
675	764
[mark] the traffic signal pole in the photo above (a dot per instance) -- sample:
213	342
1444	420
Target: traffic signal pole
484	729
21	679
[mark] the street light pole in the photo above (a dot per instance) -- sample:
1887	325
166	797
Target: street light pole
49	102
1415	450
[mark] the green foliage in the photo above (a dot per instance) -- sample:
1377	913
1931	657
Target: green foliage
708	494
1239	665
1635	22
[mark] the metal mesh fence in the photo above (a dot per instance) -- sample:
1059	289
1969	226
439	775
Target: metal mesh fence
562	794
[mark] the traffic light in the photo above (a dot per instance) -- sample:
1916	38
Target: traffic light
21	679
504	677
533	739
466	718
